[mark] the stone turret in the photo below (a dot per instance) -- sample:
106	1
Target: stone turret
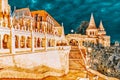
4	7
101	30
92	30
4	13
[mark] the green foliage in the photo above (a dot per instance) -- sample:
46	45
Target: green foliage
82	28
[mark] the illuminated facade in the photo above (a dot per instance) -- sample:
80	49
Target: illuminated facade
29	31
93	35
35	33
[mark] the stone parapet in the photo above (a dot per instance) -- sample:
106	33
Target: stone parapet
55	59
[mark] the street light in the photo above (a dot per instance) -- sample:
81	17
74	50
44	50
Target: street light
72	30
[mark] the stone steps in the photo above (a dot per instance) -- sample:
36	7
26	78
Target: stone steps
76	61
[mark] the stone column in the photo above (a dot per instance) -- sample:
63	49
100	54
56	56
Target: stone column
32	41
19	41
40	42
12	44
55	43
67	62
25	42
46	43
36	41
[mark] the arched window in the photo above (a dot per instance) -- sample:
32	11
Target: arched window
49	44
53	42
16	41
38	42
28	42
90	33
58	43
35	42
22	42
6	43
43	42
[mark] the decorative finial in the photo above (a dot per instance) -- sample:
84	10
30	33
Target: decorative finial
92	15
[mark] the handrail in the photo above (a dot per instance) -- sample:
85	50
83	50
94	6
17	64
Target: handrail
82	55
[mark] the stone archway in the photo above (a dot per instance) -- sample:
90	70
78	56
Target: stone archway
73	42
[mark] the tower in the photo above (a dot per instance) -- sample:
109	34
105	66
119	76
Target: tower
101	30
4	7
92	30
4	13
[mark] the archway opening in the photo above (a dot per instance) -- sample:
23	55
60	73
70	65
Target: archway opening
73	42
6	41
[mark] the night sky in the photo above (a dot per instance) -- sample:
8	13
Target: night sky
73	12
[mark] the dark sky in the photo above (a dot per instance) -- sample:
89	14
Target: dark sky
73	12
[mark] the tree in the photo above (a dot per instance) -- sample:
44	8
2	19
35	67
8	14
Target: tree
82	28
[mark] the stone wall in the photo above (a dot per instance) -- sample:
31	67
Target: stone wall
6	61
56	59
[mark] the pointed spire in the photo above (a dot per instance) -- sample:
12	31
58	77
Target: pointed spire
101	26
92	24
101	29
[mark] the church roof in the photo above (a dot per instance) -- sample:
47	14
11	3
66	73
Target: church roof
101	26
92	24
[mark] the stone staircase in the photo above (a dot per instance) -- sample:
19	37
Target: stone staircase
75	59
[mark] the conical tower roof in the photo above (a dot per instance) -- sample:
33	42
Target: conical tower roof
92	24
101	26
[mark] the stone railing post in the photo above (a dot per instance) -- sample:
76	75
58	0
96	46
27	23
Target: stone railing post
12	40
